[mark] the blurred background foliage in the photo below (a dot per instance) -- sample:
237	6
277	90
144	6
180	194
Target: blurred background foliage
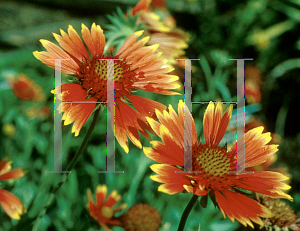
265	30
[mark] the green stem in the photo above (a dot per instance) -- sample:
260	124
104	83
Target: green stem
186	213
69	168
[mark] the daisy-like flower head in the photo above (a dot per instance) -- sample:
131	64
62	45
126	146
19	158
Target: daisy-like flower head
141	217
216	167
172	40
284	217
102	211
139	68
37	112
26	89
9	202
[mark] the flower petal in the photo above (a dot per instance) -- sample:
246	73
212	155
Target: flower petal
94	39
186	118
120	130
214	127
82	113
13	174
146	106
5	166
130	119
101	192
72	43
163	154
112	199
130	41
68	65
11	205
264	182
171	176
242	208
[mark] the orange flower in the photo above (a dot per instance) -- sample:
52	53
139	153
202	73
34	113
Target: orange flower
37	112
138	69
102	211
9	202
172	41
26	89
214	162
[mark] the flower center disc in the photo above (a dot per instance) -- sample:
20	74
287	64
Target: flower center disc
92	75
107	212
212	162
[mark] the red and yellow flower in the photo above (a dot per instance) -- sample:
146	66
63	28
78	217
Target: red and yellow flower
216	174
37	112
9	202
139	68
163	31
26	89
102	211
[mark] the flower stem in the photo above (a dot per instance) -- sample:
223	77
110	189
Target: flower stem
186	213
69	168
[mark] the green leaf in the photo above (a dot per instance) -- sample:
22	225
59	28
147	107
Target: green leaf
22	123
122	27
284	67
220	57
223	90
11	115
203	201
243	191
213	199
72	189
41	143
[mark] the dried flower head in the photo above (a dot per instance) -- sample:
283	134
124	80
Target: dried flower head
141	217
284	216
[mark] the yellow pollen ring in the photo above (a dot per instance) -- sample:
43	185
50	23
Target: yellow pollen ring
214	162
101	70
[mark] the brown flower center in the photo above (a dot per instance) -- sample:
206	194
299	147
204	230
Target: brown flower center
214	166
141	217
92	75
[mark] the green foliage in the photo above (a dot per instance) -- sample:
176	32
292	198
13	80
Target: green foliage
121	28
267	31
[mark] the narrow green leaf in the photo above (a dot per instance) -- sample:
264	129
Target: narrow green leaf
203	201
